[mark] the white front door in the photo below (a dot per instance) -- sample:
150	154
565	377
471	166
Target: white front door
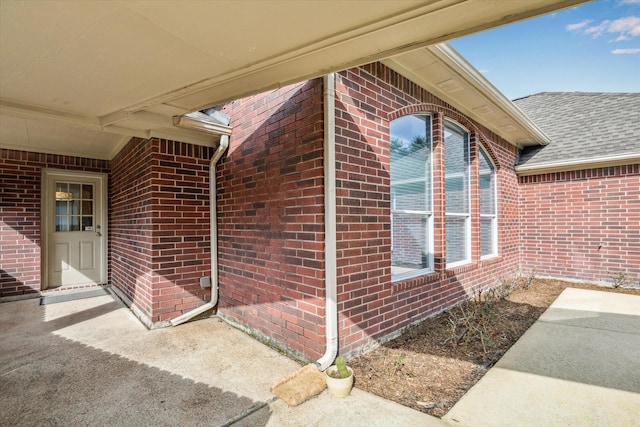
74	228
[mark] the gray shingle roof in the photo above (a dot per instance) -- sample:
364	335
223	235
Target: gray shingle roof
582	126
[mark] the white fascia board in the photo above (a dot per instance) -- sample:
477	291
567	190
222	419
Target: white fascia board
571	165
208	127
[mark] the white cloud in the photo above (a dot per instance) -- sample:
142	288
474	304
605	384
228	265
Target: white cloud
624	28
597	30
629	1
629	51
579	25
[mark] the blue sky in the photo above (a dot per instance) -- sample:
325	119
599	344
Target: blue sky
594	47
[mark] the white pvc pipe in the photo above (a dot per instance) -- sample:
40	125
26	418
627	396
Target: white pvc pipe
213	227
330	248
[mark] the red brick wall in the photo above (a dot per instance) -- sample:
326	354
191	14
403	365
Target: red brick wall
159	226
271	205
20	217
582	225
371	307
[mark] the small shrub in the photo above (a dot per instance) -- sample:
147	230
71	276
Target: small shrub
619	279
527	278
472	320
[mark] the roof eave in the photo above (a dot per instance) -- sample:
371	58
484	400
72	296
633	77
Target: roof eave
472	93
579	164
445	52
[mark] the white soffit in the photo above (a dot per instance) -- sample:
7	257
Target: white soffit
127	67
53	137
445	73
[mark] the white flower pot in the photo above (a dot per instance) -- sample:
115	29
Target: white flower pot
338	387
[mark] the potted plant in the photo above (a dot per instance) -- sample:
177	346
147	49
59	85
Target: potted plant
339	378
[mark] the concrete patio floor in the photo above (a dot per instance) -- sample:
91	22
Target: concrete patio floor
90	362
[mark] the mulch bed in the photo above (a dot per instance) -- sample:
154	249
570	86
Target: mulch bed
430	366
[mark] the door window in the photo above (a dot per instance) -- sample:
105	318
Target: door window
74	206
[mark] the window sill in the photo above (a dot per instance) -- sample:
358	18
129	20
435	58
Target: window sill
400	277
458	264
414	282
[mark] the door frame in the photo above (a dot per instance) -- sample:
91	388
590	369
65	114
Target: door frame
46	221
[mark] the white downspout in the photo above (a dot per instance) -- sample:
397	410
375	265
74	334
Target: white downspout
213	226
330	248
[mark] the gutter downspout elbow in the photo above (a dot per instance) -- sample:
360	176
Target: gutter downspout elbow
330	247
213	227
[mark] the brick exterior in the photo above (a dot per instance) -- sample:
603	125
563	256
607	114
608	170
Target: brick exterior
270	204
582	225
159	226
371	306
20	214
271	216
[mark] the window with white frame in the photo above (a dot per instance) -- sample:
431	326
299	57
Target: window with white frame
411	197
457	194
488	207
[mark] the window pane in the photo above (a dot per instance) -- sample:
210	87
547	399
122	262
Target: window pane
456	239
87	207
61	207
456	166
486	236
410	196
74	223
410	250
410	172
74	207
62	223
74	189
62	191
456	169
487	186
488	206
457	201
87	221
411	163
87	191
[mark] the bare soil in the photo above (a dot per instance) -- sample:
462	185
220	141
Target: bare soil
430	366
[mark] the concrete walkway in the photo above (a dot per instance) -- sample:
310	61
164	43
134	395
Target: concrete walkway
578	365
90	362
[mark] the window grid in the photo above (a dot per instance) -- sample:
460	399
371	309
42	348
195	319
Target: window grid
74	207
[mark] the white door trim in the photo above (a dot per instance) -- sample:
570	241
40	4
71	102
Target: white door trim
47	222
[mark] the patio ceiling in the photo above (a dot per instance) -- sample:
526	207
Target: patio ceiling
81	78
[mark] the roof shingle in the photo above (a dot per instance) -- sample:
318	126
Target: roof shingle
582	126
